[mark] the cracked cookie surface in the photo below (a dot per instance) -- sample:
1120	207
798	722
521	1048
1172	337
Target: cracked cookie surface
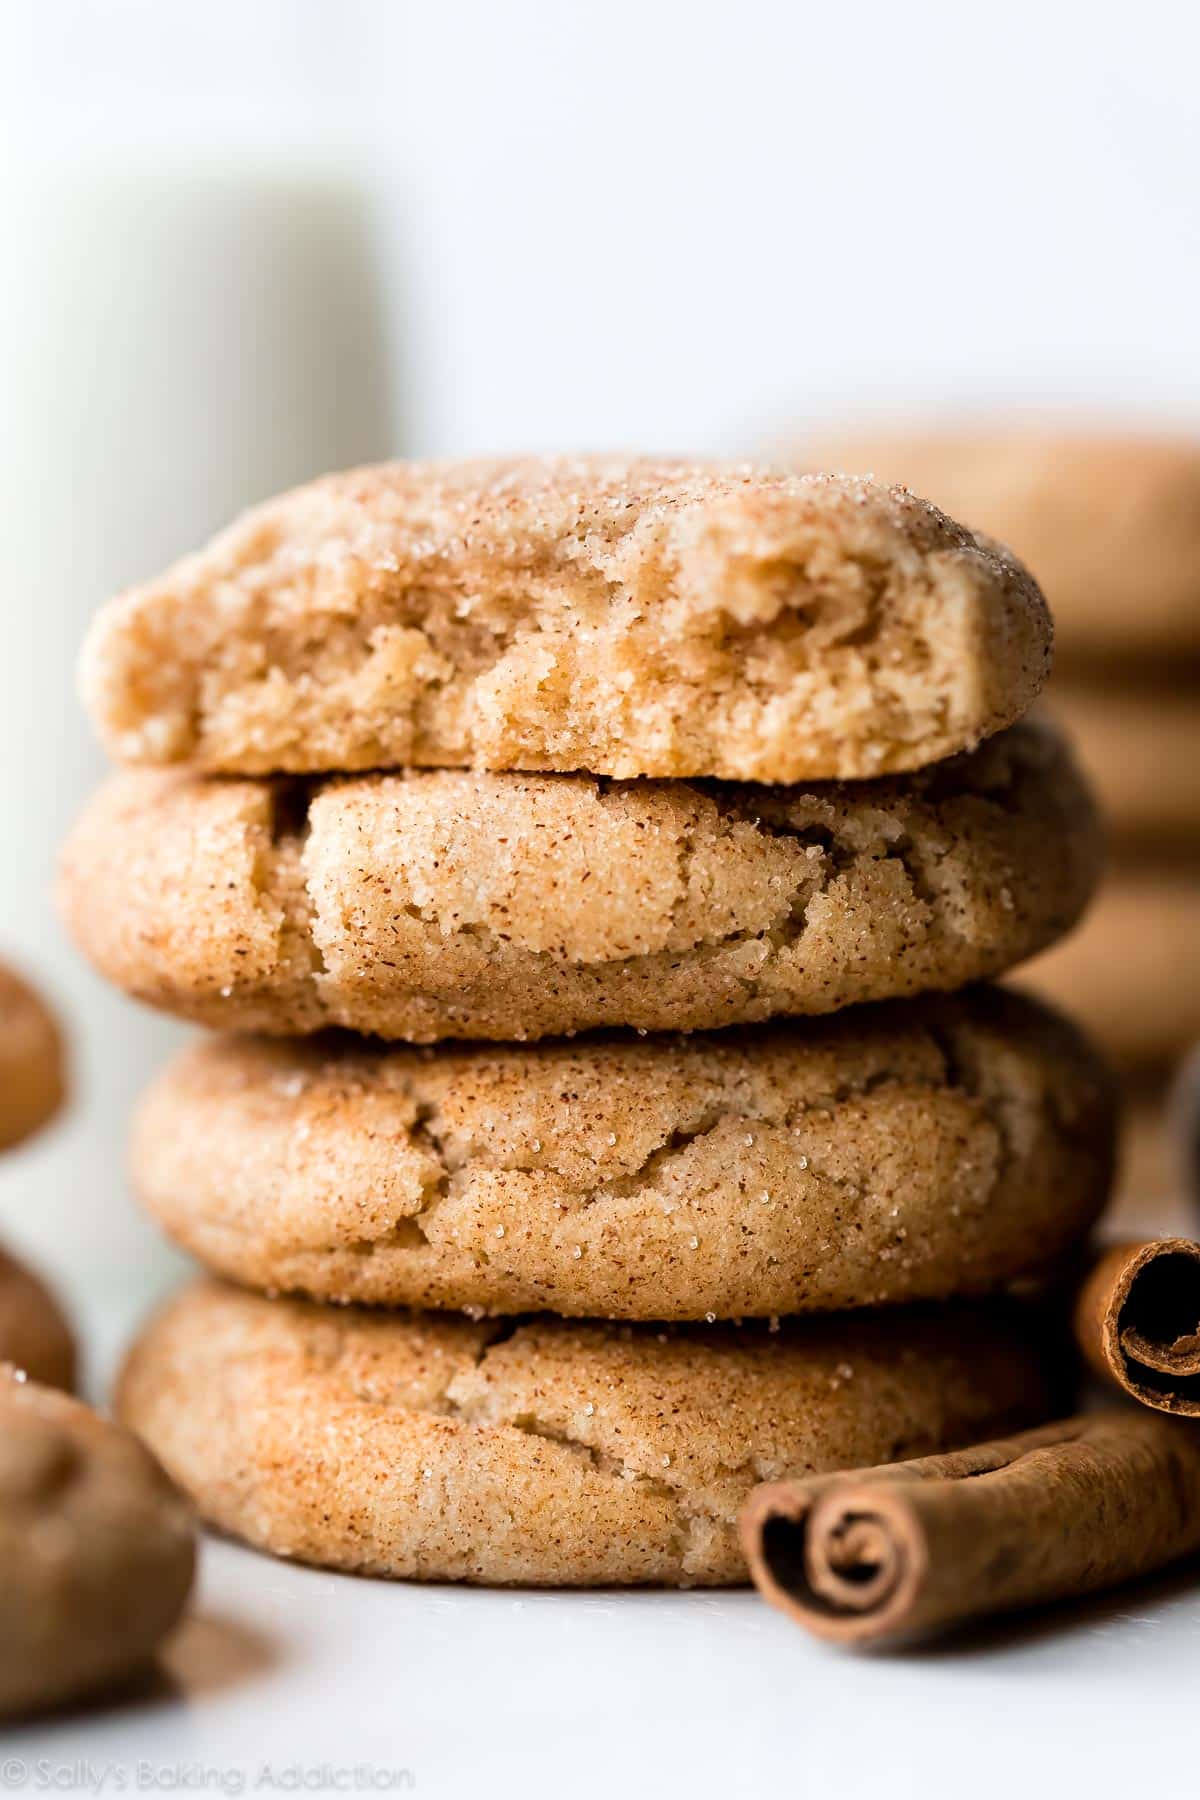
905	1152
497	906
97	1550
34	1334
626	617
541	1452
31	1061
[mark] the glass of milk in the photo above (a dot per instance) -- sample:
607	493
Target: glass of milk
196	322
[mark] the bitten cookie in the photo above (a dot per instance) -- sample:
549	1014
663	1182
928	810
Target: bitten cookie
1110	525
1131	973
505	906
96	1550
890	1154
625	617
540	1453
31	1061
34	1334
1140	745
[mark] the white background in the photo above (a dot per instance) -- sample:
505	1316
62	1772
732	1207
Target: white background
596	223
689	226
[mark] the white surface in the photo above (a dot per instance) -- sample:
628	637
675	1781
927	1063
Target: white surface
478	1692
491	1693
687	224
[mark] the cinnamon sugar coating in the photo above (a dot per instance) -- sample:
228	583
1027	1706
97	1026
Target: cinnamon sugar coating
619	616
548	1453
917	1151
1108	522
508	907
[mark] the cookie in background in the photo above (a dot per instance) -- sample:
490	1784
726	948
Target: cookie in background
97	1550
1109	523
32	1077
34	1334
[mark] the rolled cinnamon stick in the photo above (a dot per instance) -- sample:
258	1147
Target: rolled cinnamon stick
881	1556
1137	1321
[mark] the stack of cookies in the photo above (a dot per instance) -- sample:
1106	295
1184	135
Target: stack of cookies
1111	525
590	867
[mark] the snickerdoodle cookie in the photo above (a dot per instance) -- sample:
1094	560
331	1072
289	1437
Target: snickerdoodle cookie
1140	746
31	1061
505	906
890	1154
1131	973
96	1550
623	617
34	1334
544	1452
1109	523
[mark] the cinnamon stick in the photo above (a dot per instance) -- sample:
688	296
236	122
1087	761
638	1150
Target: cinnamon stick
885	1555
1137	1321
